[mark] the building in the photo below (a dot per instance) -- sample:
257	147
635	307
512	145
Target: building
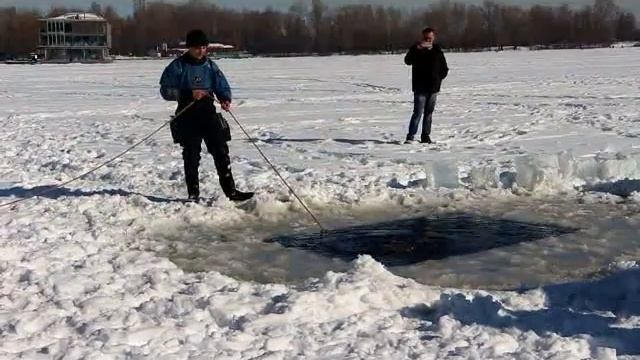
139	5
75	37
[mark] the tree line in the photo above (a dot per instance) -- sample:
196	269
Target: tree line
313	27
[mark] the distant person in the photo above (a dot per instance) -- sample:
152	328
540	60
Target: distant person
193	77
429	68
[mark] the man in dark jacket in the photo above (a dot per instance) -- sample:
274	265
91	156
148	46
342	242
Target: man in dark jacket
194	78
429	69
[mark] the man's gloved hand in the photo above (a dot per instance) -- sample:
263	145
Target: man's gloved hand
225	105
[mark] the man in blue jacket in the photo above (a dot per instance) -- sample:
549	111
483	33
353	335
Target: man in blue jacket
429	68
194	78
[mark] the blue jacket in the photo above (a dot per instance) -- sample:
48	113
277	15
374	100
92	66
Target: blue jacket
185	74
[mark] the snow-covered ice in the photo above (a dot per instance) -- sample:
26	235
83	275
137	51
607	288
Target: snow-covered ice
515	236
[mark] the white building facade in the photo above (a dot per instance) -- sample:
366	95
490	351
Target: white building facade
75	37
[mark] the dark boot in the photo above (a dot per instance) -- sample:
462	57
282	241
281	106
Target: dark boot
226	183
239	196
426	140
229	188
220	152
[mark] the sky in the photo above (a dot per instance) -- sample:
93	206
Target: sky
125	7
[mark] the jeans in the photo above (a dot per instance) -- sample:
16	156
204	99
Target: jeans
423	104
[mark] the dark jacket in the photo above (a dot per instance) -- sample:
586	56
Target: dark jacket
429	68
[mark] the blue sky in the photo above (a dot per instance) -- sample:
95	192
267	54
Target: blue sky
125	6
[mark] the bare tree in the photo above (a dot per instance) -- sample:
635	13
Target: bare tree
626	27
318	10
95	8
349	28
605	14
19	31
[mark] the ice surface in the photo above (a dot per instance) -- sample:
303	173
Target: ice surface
114	267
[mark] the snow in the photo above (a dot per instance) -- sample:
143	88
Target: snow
531	193
79	16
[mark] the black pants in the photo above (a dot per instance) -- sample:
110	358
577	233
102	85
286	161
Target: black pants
190	130
191	154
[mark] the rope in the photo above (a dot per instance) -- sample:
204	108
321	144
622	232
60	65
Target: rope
275	170
266	159
55	187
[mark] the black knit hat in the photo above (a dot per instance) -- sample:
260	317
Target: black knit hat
197	38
